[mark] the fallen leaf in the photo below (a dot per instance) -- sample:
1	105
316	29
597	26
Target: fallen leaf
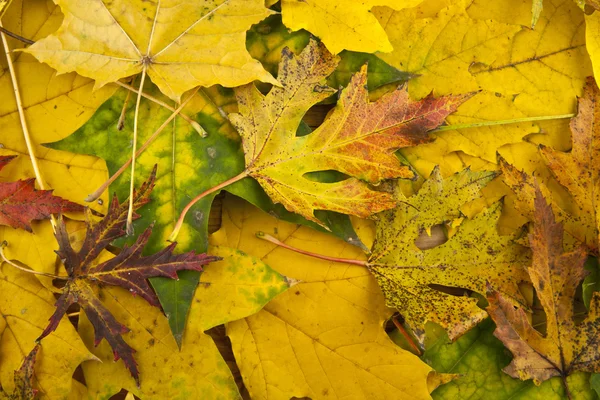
23	379
358	137
576	171
266	40
188	163
230	289
412	279
340	26
129	270
566	347
25	306
182	45
3	6
21	203
55	106
323	337
478	357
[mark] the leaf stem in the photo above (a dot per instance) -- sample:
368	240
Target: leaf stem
276	241
408	338
197	127
15	36
129	228
213	189
94	196
121	121
504	122
26	135
28	270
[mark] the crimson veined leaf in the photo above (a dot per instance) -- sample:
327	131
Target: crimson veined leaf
129	269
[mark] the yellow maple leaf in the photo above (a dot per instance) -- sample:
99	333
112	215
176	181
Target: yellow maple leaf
566	347
342	25
25	306
181	44
472	258
324	337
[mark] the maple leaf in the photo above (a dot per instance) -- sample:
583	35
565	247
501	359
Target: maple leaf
472	258
323	337
25	306
21	203
23	379
230	289
340	25
358	138
555	275
181	44
129	270
576	171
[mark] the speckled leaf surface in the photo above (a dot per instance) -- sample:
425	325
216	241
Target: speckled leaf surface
475	257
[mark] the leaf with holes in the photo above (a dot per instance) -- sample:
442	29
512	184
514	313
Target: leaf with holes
129	270
21	203
358	138
413	279
566	347
180	44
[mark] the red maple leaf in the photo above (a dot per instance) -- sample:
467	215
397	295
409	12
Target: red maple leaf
21	202
129	270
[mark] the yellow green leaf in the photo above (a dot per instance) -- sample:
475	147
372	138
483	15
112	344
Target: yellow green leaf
234	288
473	258
25	307
181	44
342	25
324	337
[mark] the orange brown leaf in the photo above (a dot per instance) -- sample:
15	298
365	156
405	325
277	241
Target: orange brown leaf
567	347
358	138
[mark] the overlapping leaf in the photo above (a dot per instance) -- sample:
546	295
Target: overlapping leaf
25	306
471	259
23	379
181	44
567	347
21	203
324	337
349	26
54	106
230	289
129	270
478	357
577	171
358	138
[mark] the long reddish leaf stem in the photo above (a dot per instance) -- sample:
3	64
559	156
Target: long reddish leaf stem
105	185
408	338
28	270
276	241
213	189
